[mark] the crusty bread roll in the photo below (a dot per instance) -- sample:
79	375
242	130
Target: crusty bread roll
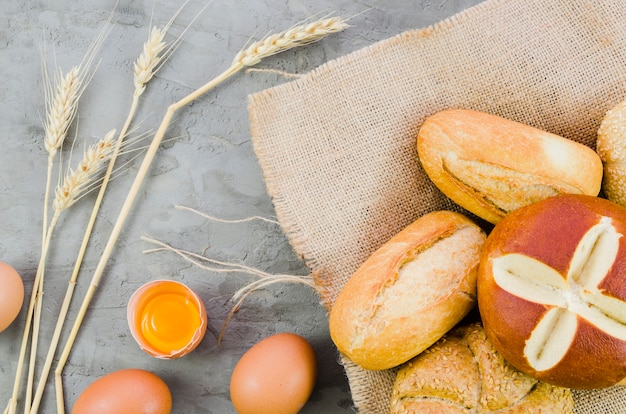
551	290
463	374
409	292
491	166
611	146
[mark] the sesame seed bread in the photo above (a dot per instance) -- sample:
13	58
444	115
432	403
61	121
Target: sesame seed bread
463	374
611	147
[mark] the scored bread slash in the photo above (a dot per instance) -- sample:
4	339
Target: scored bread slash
492	166
551	292
410	292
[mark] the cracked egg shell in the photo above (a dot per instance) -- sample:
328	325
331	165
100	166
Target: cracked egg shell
166	318
551	290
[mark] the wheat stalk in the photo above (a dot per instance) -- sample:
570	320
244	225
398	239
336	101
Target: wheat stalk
76	181
297	36
155	52
74	186
68	297
61	96
67	194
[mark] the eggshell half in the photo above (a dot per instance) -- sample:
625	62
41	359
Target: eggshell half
275	376
127	391
167	319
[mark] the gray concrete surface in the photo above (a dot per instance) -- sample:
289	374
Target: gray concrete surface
206	163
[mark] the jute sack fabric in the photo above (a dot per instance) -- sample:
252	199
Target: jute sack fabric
337	146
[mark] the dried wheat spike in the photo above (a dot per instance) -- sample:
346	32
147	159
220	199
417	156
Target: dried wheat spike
77	180
147	63
297	36
61	110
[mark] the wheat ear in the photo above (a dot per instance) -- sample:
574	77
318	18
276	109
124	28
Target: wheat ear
61	103
147	62
75	183
79	179
326	26
155	52
153	55
297	36
67	194
61	107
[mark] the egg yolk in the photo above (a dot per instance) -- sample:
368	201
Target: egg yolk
169	321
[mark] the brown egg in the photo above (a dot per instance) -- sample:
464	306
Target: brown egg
127	391
275	376
11	295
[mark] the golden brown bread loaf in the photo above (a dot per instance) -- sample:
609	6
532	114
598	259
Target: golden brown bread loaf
611	146
409	292
551	290
491	166
463	374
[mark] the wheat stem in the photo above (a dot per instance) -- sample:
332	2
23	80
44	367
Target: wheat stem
61	103
221	220
65	196
34	300
145	67
76	182
327	26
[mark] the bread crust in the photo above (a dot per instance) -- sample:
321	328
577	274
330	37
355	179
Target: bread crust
591	353
462	373
491	165
409	292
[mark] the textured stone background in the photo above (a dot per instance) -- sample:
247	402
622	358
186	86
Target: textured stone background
206	163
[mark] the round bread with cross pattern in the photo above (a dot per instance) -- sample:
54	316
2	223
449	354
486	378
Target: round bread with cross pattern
552	290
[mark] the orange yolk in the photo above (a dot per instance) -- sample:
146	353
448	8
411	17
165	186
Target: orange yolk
168	320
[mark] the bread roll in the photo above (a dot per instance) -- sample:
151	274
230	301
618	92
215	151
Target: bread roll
491	166
611	146
551	290
463	374
409	292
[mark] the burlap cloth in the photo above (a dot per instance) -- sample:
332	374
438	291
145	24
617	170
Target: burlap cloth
337	146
